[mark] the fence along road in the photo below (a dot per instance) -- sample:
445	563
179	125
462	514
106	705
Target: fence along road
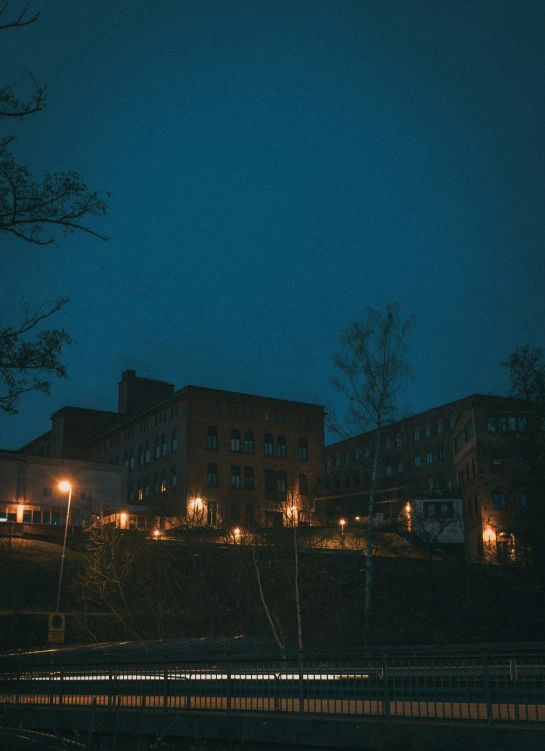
490	684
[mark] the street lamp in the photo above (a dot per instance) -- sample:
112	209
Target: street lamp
64	486
342	522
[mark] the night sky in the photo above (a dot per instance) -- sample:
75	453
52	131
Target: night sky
276	166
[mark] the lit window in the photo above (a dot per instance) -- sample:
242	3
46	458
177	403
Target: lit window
268	445
213	475
303	448
235	440
429	458
212	437
174	440
140	494
281	446
248	442
248	478
498	501
416	461
163	481
235	477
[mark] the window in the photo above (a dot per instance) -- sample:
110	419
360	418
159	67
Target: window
131	492
235	477
398	441
173	476
298	419
366	452
47	492
458	441
216	409
250	413
303	484
146	453
440	455
131	459
328	462
387	443
156	483
427	430
268	445
523	500
126	459
438	510
429	458
388	470
280	446
27	516
498	501
303	448
451	422
248	442
212	475
212	517
468	430
235	440
440	426
212	437
305	421
141	456
266	415
281	417
164	444
140	494
281	482
248	478
174	443
491	427
163	479
416	461
337	460
233	411
274	417
146	487
416	434
157	447
400	467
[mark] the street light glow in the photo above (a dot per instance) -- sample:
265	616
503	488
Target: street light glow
65	486
342	522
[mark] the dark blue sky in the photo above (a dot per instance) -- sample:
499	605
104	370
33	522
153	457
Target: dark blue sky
275	167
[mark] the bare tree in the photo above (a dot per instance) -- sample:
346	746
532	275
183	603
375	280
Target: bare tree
29	209
372	371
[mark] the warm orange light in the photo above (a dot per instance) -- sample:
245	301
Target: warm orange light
236	531
342	522
65	486
358	518
408	508
123	518
489	535
197	503
156	533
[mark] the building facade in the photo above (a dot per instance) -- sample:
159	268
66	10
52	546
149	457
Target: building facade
198	455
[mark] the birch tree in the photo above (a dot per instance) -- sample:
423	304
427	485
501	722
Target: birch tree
371	373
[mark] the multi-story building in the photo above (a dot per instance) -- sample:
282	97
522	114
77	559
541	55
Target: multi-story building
466	457
199	455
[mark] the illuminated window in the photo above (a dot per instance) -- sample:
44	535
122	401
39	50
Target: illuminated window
174	442
248	442
303	484
212	437
235	477
280	446
140	494
303	448
213	475
248	478
268	445
163	481
235	440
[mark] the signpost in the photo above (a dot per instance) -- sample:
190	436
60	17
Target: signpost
57	627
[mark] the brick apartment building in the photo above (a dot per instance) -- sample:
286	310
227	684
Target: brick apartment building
466	457
199	455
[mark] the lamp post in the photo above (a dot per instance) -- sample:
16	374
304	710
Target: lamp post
64	486
342	522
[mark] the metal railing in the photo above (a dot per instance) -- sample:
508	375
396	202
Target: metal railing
490	685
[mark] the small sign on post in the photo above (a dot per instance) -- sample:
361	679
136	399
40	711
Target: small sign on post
57	627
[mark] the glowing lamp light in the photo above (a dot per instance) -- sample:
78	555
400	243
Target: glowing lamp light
197	503
358	518
156	533
123	518
408	508
342	522
65	486
489	535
